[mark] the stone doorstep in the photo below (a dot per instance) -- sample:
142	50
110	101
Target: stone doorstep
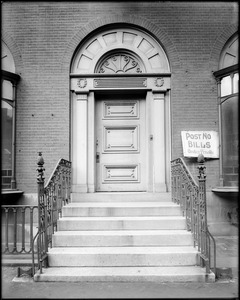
125	274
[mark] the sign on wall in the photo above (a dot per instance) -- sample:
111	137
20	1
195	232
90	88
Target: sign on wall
200	142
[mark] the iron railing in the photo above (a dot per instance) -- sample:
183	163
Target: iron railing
51	199
18	228
192	199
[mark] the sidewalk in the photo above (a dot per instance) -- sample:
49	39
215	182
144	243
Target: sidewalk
227	256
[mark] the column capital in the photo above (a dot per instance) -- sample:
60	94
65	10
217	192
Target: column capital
82	97
158	96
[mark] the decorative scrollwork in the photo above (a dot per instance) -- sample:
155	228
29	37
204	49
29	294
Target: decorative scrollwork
51	198
40	168
120	63
192	199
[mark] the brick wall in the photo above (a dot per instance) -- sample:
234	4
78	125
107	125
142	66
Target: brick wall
43	36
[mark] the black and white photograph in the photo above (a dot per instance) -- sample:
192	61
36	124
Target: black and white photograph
119	149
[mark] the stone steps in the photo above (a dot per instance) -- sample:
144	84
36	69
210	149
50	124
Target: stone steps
122	256
119	223
106	238
121	197
123	237
125	274
104	209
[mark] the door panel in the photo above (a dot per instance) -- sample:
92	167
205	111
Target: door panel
121	154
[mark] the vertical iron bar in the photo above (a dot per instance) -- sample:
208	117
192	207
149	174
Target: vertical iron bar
23	229
31	229
203	208
45	229
50	195
15	230
6	231
61	189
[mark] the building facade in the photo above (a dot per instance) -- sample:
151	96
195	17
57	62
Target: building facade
111	86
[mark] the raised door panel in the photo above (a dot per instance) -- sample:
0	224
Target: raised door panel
120	131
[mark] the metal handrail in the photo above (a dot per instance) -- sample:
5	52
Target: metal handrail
51	198
192	199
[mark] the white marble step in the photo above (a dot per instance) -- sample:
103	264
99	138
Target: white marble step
122	256
122	238
120	197
119	223
125	274
120	209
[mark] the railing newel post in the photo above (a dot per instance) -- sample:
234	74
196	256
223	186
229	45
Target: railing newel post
203	209
192	199
49	207
41	205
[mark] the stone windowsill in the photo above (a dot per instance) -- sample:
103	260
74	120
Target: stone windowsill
225	189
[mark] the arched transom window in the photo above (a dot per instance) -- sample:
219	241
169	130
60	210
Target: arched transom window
115	51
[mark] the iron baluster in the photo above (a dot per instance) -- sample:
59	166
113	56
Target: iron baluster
51	198
15	230
192	199
23	229
6	232
31	230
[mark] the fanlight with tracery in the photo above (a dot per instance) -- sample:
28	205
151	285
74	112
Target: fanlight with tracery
120	63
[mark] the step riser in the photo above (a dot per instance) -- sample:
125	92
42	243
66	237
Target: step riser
112	241
100	260
119	211
120	225
129	254
121	197
111	278
125	274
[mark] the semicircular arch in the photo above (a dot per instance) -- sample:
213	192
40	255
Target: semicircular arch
120	21
128	40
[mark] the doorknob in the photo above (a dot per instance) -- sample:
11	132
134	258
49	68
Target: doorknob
97	157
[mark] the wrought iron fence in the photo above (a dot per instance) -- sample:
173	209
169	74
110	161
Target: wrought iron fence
18	228
192	199
51	199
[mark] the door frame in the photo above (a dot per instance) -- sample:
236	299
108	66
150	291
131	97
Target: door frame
141	182
83	139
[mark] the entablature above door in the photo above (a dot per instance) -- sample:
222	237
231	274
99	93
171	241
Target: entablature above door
155	82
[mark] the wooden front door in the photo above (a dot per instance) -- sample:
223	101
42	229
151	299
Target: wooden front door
120	143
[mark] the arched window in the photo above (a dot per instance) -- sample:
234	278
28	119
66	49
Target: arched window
227	78
8	105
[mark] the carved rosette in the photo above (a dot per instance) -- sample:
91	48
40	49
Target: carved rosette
82	82
120	63
159	81
145	82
